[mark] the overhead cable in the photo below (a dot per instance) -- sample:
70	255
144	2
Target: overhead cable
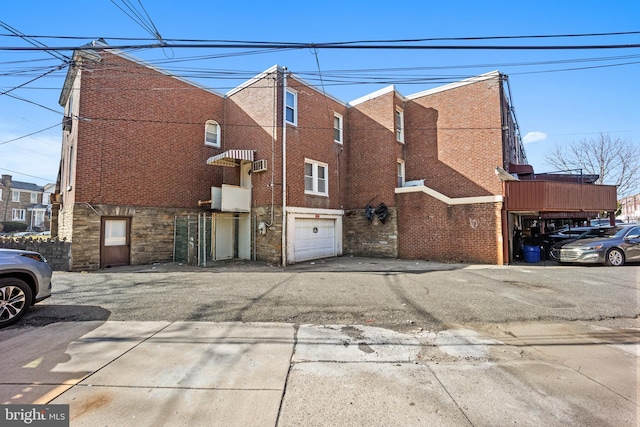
324	46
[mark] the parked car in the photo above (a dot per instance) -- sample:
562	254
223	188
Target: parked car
24	234
565	233
25	279
577	233
618	245
597	222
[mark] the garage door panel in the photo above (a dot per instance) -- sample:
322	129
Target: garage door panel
314	238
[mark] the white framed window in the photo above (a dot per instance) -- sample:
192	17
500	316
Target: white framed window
400	173
15	196
316	178
33	198
337	128
291	107
399	125
1	191
212	133
17	214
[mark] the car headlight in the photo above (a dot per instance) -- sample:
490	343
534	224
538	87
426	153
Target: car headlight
594	247
37	257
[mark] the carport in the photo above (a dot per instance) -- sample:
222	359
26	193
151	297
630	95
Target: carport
545	200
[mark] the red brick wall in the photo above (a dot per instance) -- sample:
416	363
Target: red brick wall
432	230
454	139
373	152
249	125
144	142
312	138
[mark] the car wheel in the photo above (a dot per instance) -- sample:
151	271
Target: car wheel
15	299
615	257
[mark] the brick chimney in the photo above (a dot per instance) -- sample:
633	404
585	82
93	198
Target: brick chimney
6	181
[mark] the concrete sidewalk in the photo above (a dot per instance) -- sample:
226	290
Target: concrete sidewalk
203	374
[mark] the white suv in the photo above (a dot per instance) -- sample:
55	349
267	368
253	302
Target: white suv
25	279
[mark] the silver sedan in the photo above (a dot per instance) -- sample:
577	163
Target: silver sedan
25	279
618	245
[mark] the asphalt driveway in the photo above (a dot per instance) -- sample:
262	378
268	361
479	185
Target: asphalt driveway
397	294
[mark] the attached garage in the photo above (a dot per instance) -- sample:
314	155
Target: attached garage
315	238
313	234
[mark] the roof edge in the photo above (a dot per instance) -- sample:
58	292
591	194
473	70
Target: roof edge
467	81
372	95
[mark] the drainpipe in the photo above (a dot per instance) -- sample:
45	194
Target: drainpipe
284	166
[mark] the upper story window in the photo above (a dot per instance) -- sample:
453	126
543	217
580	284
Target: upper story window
291	107
15	196
1	191
337	128
34	198
315	178
400	173
212	133
399	125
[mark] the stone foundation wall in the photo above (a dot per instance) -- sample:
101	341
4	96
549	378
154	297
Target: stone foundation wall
152	231
269	245
364	237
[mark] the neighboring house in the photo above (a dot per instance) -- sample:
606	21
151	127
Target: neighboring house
630	208
23	202
289	173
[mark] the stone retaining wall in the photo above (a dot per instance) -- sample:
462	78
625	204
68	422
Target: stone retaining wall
57	252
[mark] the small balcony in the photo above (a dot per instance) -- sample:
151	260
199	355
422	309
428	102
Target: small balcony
231	198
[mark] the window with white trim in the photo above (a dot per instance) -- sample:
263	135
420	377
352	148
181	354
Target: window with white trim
400	173
399	125
315	178
212	133
34	198
1	191
291	107
17	214
337	128
15	196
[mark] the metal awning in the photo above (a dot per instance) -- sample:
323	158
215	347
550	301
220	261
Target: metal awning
229	157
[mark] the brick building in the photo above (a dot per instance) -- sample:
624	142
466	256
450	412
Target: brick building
630	208
287	172
23	202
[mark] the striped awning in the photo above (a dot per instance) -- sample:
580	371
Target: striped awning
229	157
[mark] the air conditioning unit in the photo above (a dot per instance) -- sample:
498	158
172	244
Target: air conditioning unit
259	166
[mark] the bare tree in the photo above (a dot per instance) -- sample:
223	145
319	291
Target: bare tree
616	161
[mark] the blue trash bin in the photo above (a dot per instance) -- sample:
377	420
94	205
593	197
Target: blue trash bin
531	253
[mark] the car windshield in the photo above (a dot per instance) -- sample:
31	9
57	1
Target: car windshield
596	232
615	232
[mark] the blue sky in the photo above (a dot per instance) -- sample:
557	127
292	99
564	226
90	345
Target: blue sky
557	100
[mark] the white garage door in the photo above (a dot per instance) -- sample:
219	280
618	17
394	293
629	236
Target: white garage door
315	238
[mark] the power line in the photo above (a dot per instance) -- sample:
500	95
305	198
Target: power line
137	17
340	45
31	176
33	42
31	134
530	36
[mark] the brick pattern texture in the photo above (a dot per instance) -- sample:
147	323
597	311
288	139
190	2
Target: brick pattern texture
139	151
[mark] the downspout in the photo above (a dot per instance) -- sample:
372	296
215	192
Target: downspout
284	166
